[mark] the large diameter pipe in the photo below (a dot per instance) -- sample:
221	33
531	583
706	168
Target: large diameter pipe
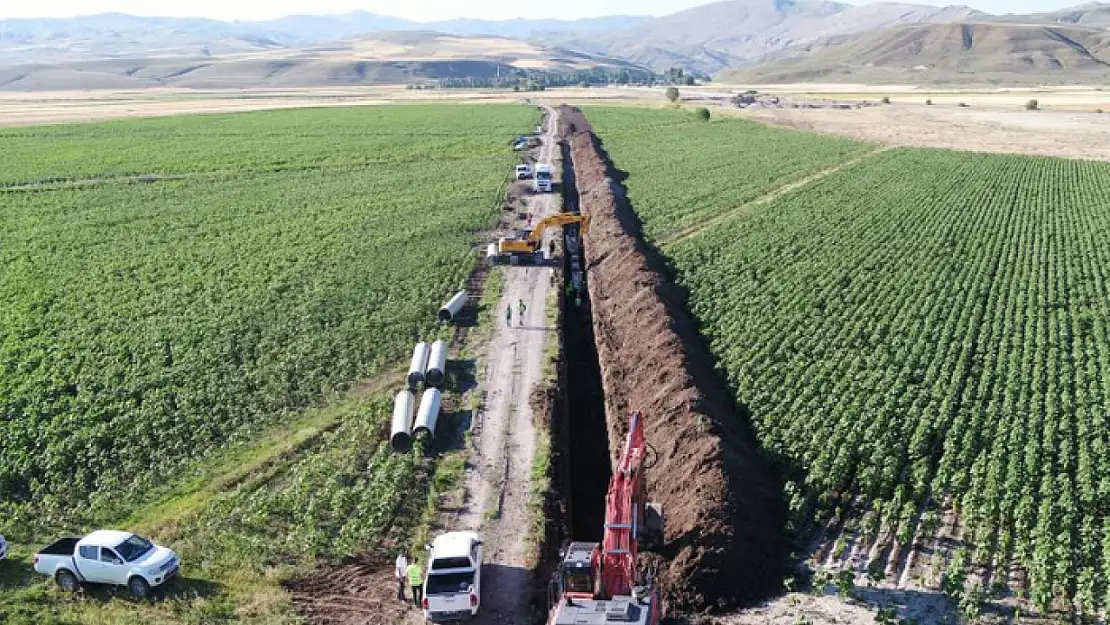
428	413
436	372
451	309
403	405
418	365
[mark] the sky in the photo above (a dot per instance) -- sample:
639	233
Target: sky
420	10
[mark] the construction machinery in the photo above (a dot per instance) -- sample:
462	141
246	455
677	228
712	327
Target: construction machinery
602	583
526	245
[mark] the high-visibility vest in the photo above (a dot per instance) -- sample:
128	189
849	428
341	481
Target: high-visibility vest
416	576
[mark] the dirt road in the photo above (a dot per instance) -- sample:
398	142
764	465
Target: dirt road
498	476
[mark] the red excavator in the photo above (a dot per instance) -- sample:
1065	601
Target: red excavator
598	584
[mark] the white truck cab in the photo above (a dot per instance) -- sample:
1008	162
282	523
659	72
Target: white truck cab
541	183
108	557
453	583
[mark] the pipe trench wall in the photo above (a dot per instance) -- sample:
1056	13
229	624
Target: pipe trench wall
723	507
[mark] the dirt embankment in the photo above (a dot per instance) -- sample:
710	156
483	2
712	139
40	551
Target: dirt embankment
724	509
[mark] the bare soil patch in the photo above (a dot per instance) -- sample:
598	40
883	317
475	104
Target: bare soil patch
356	593
723	508
1075	134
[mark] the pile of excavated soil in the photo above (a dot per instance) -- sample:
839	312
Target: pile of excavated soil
723	507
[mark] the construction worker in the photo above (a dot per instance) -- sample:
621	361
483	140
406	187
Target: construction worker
416	580
399	570
520	309
509	315
551	249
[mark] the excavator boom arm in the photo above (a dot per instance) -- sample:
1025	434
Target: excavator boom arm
558	220
623	512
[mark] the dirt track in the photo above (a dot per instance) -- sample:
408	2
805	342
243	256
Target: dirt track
499	469
362	591
723	509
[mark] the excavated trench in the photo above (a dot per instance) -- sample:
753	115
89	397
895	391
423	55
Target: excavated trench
587	436
723	505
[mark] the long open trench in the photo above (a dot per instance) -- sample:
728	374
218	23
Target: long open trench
586	434
631	344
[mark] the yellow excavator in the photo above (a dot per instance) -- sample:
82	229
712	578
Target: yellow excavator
526	246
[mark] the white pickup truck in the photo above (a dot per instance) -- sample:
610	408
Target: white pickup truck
453	584
523	171
108	557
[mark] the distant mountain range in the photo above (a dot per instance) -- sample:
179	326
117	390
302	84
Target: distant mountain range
113	35
395	57
767	40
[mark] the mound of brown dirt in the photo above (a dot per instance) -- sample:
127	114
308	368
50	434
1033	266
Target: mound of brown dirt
724	508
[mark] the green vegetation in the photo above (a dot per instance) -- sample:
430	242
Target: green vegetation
908	344
707	168
179	291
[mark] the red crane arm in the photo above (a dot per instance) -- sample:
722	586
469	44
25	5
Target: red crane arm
623	511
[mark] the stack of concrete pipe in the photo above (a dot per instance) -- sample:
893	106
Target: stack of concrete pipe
428	367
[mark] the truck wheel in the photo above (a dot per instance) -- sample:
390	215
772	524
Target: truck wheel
67	581
139	587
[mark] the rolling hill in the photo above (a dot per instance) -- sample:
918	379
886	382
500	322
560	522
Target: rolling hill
115	35
391	57
727	34
740	39
944	54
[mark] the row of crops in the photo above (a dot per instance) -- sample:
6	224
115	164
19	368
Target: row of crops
920	333
147	323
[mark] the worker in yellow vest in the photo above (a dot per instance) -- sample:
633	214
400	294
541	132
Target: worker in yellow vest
416	580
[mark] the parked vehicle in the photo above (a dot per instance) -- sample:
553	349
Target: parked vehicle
453	583
3	548
542	181
108	557
523	171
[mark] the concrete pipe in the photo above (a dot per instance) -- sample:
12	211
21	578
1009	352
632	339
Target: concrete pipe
403	405
436	372
451	309
428	413
418	365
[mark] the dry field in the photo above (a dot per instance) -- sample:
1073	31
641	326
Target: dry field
994	120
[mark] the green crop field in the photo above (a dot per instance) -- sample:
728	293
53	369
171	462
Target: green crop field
178	292
919	333
706	168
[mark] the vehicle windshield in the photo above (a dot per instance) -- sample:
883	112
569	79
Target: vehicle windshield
579	581
451	563
449	583
134	548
